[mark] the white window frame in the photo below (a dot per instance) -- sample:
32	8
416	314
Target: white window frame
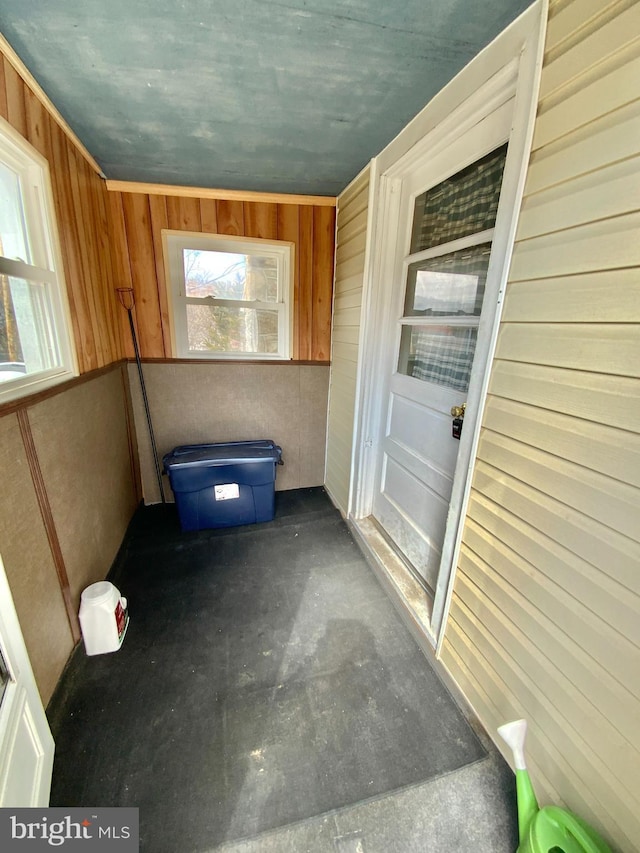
174	242
46	267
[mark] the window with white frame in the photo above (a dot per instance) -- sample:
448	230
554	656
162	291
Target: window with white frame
230	296
35	343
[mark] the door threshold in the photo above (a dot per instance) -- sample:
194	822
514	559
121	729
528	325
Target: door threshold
413	601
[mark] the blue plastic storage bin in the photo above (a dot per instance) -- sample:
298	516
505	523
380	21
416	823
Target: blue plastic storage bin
224	484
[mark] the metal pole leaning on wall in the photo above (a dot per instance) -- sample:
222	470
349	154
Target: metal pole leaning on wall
127	300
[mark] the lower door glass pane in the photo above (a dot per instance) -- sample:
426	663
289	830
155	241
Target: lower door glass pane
439	354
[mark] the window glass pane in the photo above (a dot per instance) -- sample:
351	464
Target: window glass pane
439	354
450	284
27	339
462	205
220	328
13	232
225	275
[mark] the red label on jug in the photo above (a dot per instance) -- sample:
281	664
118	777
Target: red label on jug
121	619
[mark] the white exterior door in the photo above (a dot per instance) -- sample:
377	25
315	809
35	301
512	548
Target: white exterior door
442	269
26	744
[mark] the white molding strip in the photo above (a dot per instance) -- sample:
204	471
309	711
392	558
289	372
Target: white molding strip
226	195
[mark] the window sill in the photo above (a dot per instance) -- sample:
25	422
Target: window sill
28	385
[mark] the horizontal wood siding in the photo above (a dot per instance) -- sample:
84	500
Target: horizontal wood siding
350	257
82	212
140	217
545	616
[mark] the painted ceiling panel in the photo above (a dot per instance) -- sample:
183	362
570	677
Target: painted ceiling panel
245	94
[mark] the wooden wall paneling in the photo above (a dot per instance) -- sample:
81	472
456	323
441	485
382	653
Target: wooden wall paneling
100	260
106	264
261	220
16	108
115	240
137	219
230	215
323	243
121	266
160	218
208	215
305	292
38	130
4	107
67	229
115	307
288	228
183	214
87	285
83	238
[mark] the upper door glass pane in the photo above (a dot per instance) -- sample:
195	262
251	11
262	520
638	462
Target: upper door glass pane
463	204
450	285
14	243
225	275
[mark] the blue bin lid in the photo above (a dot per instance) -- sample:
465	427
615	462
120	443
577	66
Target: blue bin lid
230	453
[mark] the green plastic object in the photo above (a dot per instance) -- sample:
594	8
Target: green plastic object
549	829
555	830
527	803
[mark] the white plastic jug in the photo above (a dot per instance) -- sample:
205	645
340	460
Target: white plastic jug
103	618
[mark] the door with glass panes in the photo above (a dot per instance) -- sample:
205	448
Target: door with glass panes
443	263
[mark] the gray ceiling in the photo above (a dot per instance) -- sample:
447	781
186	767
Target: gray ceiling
289	96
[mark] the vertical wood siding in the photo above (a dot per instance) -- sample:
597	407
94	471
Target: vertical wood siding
112	239
84	223
140	218
352	214
545	618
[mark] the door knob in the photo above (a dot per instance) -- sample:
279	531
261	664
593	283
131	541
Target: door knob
457	413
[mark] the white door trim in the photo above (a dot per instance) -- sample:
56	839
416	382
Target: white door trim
510	65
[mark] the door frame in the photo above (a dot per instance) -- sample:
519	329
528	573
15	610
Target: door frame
21	712
509	67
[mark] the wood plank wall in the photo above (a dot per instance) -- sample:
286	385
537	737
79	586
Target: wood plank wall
112	239
82	212
545	618
138	219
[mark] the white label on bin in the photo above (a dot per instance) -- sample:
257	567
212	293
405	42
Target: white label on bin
227	491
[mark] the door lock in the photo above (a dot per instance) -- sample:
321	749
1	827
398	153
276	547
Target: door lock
457	413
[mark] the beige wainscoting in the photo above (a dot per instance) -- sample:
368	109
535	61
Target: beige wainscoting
67	496
82	444
29	564
193	403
